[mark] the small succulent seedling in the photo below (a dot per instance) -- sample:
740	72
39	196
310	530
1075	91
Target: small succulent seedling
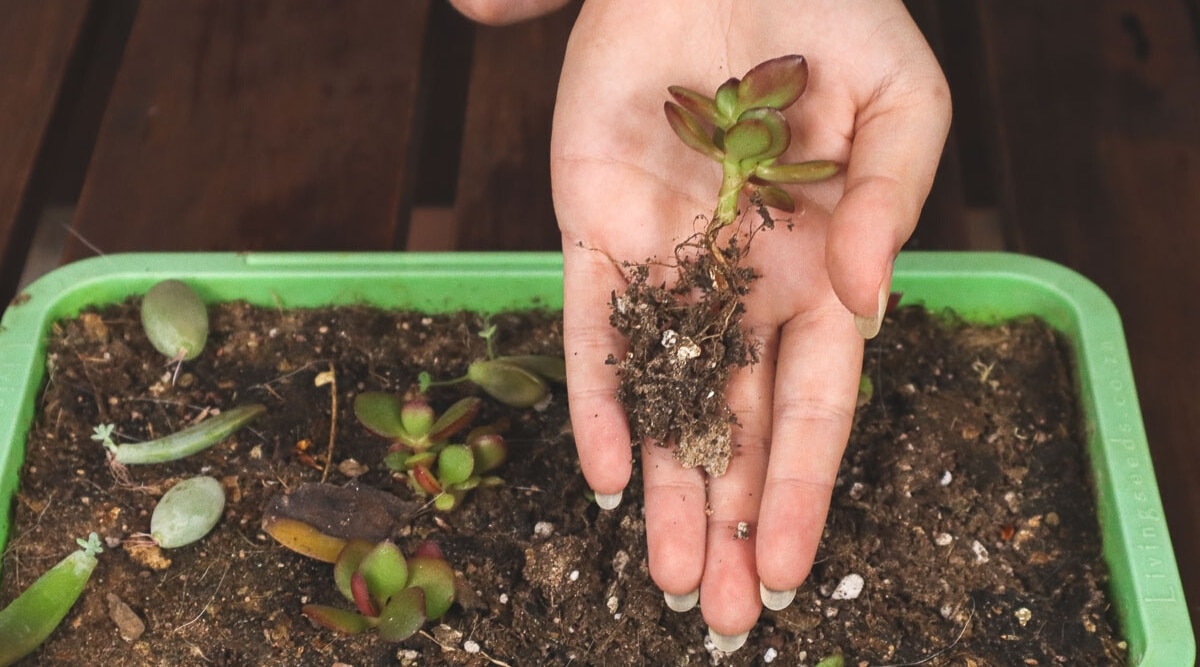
743	129
422	448
28	620
519	381
175	320
393	594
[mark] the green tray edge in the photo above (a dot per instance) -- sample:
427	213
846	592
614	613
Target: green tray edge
979	286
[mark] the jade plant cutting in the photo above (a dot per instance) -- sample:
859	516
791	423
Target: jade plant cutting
392	594
686	338
422	448
519	381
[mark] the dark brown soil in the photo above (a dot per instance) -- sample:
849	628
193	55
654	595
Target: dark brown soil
963	504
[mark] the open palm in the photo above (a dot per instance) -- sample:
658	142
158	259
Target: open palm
626	189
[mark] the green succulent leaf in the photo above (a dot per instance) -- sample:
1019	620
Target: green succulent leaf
175	320
455	464
347	564
421	459
700	106
777	125
508	383
416	418
436	578
802	172
397	461
490	450
403	615
775	197
343	621
775	83
550	368
459	489
748	138
385	571
187	512
688	128
445	501
455	418
727	103
380	413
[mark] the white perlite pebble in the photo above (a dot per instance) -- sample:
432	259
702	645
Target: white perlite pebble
981	552
849	588
769	655
471	646
543	529
943	539
574	576
947	477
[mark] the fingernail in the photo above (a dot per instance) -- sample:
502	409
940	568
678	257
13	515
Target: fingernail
682	603
775	600
609	501
868	326
727	643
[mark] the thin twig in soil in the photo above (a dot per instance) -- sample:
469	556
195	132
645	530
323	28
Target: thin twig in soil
963	631
208	604
330	378
449	648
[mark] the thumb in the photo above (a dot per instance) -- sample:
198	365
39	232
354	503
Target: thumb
893	158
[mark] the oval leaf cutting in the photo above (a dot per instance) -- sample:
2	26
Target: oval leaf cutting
187	512
175	320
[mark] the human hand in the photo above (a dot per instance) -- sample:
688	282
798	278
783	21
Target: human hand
626	189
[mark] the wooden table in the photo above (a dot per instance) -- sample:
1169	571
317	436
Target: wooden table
323	125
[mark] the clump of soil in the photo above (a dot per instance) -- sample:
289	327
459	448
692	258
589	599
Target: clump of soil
963	505
685	340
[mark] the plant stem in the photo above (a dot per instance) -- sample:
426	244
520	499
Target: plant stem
732	182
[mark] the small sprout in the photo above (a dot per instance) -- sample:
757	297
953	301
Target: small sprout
835	660
187	512
28	620
866	390
103	435
191	440
175	320
392	594
519	381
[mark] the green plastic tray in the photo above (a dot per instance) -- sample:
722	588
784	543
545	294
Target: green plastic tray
985	287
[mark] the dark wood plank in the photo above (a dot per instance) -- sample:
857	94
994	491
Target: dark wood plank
38	41
277	124
1098	105
503	200
942	225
